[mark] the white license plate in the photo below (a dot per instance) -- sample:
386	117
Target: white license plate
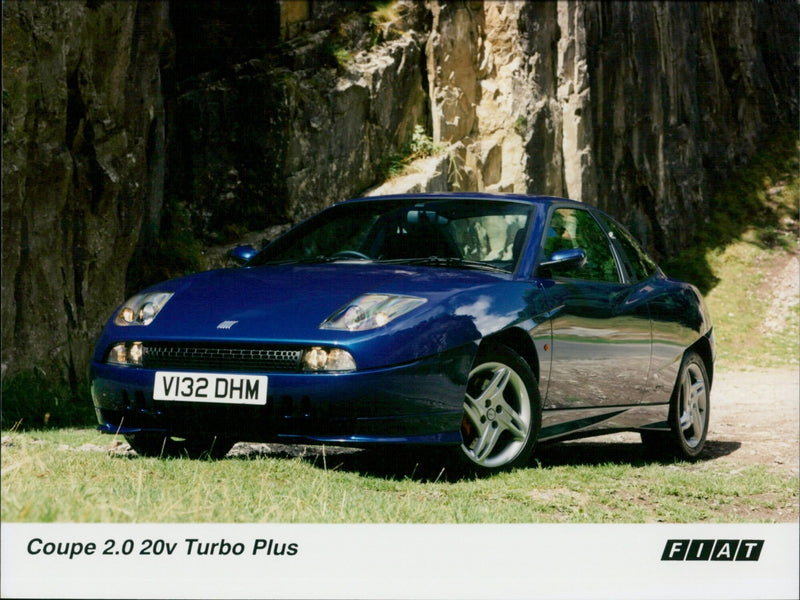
210	387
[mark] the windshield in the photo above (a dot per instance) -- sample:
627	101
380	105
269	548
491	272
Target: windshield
488	233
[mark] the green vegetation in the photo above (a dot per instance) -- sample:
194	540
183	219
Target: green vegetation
66	476
742	306
341	55
738	258
384	15
420	146
33	400
521	125
372	24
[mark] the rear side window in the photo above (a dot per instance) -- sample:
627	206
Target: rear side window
638	264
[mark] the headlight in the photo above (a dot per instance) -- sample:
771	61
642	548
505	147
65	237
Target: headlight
142	308
128	354
371	311
328	360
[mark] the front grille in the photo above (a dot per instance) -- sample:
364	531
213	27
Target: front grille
220	357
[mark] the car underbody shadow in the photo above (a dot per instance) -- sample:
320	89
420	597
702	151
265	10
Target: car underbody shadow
599	452
422	465
719	449
431	464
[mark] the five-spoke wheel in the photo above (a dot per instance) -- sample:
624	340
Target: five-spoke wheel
502	411
689	412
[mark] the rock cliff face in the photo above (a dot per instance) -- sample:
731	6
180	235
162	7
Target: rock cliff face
680	95
83	162
636	107
119	115
278	137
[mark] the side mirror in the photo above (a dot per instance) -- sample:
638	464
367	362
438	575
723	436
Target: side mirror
241	254
565	260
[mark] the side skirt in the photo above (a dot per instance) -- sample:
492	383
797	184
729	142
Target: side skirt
583	422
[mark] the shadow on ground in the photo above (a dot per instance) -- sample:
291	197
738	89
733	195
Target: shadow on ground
623	453
428	465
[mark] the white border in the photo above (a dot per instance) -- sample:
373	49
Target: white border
396	561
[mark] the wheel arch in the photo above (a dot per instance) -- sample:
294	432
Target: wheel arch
519	341
703	348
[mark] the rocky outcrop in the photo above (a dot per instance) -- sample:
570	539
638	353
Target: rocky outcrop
83	164
479	90
639	108
272	141
681	94
430	174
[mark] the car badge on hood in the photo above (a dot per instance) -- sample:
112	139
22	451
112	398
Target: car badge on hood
227	324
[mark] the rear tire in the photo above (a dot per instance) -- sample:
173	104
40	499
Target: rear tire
689	413
164	446
502	411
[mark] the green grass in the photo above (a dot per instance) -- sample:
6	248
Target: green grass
742	301
62	476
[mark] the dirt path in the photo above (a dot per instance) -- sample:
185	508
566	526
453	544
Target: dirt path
755	419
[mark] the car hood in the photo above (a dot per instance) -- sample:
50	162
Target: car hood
288	303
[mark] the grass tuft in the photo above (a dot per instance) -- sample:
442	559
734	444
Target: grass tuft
384	16
420	146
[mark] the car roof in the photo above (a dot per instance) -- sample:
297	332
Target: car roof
541	200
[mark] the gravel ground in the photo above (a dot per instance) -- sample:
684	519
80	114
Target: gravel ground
755	419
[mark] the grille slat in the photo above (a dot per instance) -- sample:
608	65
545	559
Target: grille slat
218	357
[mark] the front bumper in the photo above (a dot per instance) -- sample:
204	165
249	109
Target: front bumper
415	403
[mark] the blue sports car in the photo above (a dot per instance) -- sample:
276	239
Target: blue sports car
473	322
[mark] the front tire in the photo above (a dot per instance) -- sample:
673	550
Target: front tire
502	411
165	446
689	412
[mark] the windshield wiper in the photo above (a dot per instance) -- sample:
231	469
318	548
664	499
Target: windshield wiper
319	259
450	262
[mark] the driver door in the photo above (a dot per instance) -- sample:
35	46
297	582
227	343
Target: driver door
601	334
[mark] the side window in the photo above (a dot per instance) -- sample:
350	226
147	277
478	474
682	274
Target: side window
639	264
576	228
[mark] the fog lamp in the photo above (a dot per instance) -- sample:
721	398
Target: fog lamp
135	353
128	354
334	360
118	355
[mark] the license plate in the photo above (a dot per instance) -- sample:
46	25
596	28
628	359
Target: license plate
210	387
